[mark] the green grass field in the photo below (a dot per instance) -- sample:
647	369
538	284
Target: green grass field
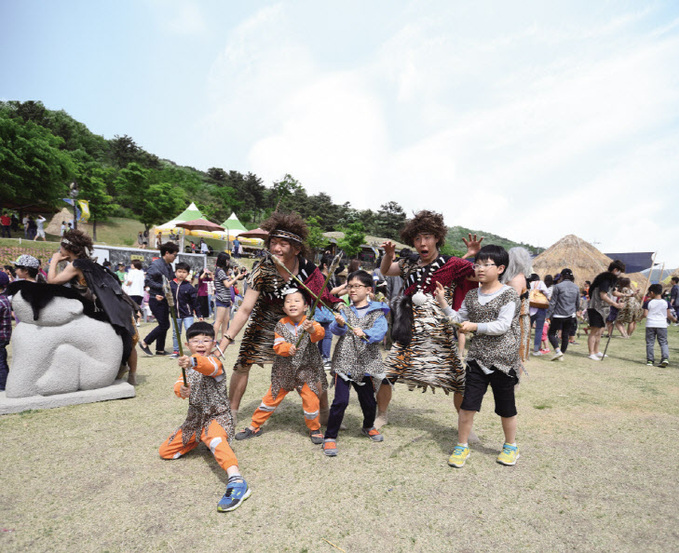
597	471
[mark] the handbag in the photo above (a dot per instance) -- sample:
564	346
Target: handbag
537	299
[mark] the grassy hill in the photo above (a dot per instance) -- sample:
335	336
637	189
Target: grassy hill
455	235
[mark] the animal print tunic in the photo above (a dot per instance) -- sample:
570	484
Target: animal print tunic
257	344
208	401
431	359
631	310
305	367
500	352
354	357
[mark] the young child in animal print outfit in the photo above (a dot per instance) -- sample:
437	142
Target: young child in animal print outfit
209	418
492	313
294	368
357	360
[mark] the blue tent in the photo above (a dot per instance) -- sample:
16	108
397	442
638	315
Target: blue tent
635	262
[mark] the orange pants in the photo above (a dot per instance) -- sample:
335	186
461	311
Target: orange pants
310	404
215	438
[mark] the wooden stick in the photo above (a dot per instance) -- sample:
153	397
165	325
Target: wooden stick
648	280
170	302
335	546
331	270
279	263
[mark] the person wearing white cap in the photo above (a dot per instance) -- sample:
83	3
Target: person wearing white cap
27	268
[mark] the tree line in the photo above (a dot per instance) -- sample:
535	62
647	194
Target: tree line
42	151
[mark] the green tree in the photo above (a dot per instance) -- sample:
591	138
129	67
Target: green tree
283	189
76	135
321	204
33	167
390	220
217	176
316	240
122	150
132	186
354	238
28	111
92	179
163	202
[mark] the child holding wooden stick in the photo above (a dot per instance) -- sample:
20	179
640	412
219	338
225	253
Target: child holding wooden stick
298	366
209	418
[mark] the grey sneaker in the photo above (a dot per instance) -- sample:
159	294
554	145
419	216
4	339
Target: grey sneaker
247	433
330	447
373	434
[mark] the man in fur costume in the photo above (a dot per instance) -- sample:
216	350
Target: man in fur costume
424	353
263	301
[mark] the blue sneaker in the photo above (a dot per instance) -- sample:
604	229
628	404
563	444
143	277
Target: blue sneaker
236	492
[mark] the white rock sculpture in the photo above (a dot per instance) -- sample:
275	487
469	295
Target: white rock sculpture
61	351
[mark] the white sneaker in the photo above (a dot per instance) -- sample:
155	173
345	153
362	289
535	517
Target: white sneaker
601	355
557	357
594	357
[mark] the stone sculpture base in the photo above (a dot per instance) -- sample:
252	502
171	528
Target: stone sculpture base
120	389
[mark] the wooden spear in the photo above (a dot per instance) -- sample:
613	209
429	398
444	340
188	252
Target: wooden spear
279	263
170	302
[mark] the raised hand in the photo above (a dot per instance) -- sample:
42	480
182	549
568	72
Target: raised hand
473	245
389	248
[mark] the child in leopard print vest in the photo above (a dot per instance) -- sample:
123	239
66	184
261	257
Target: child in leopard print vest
298	366
357	360
492	313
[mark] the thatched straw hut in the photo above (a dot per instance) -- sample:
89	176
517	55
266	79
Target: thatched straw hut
579	256
54	226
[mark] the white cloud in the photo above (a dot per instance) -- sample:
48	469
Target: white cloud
180	17
480	126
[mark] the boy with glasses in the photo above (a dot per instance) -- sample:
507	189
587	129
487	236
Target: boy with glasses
209	417
357	360
492	313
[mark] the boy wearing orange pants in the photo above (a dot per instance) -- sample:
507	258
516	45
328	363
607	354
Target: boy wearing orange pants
295	368
209	417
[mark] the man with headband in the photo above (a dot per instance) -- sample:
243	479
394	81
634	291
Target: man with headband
263	301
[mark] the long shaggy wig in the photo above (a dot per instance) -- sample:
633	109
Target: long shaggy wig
425	222
290	222
78	243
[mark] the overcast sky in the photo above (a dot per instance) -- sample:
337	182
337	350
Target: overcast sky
531	120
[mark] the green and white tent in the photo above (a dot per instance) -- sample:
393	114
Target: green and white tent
233	226
189	214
